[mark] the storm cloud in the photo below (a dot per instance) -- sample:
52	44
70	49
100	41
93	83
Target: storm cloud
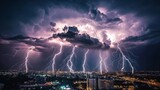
72	35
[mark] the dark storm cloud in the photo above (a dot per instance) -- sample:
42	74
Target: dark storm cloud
17	11
146	9
13	13
27	11
71	34
98	16
20	40
145	37
149	9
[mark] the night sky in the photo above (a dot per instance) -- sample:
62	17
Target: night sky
95	25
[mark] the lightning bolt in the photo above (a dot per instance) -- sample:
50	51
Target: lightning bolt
54	58
104	62
69	62
123	60
100	62
105	66
84	62
27	56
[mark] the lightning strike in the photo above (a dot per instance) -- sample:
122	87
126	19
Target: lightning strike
69	62
54	58
84	62
100	62
105	60
123	60
105	66
30	49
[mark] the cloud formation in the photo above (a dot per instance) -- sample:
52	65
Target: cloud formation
71	34
96	15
